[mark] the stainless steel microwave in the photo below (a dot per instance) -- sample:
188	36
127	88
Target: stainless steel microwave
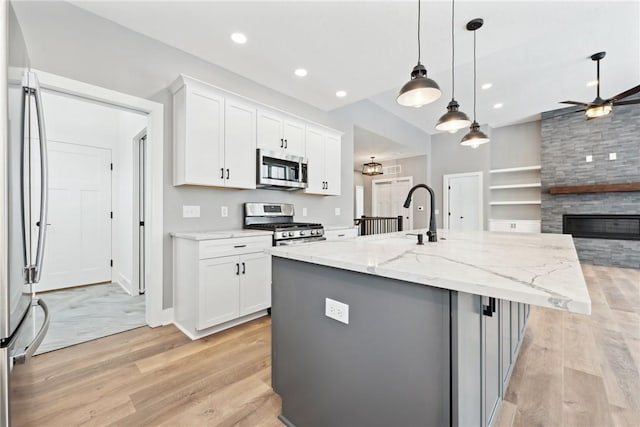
280	171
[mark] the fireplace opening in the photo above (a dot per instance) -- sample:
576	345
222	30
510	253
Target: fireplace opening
619	227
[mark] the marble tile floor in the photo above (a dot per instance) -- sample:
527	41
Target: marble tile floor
89	312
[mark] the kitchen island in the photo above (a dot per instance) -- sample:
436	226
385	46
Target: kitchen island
427	335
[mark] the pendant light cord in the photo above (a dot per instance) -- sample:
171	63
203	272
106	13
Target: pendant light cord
475	77
418	31
453	50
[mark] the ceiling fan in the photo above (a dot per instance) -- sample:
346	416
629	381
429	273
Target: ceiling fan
601	107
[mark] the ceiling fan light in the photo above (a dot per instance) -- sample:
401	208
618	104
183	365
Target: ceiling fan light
453	120
596	111
420	90
372	168
475	137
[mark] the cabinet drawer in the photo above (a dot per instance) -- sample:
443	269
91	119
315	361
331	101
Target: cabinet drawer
238	246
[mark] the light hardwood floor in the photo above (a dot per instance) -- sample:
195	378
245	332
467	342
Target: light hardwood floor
573	370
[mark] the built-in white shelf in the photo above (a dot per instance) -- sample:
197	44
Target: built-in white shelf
516	202
518	169
506	187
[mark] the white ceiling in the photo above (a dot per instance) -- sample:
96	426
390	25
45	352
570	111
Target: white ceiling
367	144
534	52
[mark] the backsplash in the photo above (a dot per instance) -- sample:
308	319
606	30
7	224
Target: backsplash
567	140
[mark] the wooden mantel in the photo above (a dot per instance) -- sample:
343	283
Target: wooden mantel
596	188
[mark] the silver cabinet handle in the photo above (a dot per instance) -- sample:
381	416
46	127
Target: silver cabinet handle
34	89
26	354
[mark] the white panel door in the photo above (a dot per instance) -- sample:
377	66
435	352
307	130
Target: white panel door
255	283
294	138
219	291
315	157
78	250
332	156
240	145
204	151
464	203
270	131
388	197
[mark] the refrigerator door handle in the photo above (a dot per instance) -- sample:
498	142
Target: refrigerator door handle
26	354
44	177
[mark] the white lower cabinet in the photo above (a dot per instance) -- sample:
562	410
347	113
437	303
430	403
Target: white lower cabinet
514	226
220	283
341	233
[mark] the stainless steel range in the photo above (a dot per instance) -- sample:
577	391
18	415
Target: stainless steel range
278	217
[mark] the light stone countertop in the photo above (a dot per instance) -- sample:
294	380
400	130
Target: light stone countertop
537	269
215	235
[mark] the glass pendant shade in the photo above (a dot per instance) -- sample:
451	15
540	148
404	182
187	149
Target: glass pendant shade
598	111
372	168
420	90
475	137
453	120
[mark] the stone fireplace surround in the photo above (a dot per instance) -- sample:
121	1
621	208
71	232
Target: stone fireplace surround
567	138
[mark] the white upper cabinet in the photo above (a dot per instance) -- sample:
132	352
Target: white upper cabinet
199	136
281	134
323	154
240	145
216	134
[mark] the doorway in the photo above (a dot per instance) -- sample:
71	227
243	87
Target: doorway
463	201
387	198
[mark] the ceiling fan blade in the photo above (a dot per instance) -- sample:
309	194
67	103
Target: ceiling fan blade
625	94
629	102
574	103
582	110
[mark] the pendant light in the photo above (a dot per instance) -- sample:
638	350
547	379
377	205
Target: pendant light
372	168
453	120
420	90
475	137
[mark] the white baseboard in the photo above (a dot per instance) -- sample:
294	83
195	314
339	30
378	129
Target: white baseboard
194	335
167	316
124	283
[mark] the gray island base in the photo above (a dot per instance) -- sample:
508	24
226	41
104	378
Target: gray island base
411	355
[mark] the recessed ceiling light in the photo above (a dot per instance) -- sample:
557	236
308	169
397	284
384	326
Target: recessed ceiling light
486	86
239	38
300	72
498	105
592	83
341	94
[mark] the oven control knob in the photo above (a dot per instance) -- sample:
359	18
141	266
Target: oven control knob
313	232
302	233
290	233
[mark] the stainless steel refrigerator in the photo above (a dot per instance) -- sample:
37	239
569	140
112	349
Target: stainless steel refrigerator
23	208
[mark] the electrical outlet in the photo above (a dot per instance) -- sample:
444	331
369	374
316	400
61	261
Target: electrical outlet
589	158
224	211
613	156
337	211
336	310
190	211
304	211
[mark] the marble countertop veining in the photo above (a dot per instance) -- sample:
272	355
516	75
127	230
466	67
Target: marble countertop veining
538	269
215	235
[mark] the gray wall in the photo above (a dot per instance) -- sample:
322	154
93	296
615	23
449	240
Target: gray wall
510	146
566	140
73	43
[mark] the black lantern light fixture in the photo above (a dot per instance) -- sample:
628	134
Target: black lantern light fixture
420	90
454	119
372	168
475	137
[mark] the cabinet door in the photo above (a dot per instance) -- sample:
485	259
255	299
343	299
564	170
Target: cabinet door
526	226
315	159
491	374
255	283
515	330
204	145
270	134
240	145
505	334
294	136
505	226
521	320
332	156
219	291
